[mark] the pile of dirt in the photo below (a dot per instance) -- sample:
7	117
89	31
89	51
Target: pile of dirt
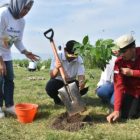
71	123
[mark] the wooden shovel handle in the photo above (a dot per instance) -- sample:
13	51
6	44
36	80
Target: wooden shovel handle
61	69
50	37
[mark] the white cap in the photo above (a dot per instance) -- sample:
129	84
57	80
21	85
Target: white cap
124	40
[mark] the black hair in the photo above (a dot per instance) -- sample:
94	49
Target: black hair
70	46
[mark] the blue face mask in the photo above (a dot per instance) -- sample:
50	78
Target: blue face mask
16	7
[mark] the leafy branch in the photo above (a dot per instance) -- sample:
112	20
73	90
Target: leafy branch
98	54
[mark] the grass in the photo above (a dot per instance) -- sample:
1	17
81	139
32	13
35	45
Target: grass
33	91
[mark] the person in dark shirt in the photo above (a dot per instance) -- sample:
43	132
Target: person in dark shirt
126	80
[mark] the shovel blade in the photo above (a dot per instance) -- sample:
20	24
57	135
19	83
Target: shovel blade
74	104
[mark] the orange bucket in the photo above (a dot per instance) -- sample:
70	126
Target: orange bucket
26	112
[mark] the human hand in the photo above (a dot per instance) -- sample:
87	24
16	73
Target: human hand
2	67
81	85
57	63
127	71
113	116
32	56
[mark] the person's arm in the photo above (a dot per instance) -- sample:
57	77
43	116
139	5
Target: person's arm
81	73
30	55
2	67
136	73
19	45
118	91
55	65
101	81
118	97
118	94
3	25
130	72
81	79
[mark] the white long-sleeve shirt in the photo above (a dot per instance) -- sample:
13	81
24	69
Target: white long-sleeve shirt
108	74
72	69
11	32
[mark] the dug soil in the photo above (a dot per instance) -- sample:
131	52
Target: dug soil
71	123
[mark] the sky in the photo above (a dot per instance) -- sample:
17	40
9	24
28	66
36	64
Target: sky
73	19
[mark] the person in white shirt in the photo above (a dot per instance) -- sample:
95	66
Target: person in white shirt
32	66
74	68
105	86
11	32
59	49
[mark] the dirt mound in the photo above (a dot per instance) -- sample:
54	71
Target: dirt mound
71	123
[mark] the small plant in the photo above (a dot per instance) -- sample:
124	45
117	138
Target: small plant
98	54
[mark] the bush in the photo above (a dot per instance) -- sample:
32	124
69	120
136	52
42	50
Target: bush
25	62
97	55
21	63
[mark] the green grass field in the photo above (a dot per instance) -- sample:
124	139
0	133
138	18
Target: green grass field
33	91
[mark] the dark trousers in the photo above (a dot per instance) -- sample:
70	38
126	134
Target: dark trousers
53	86
130	107
7	86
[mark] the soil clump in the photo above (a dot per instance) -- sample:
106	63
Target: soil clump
71	123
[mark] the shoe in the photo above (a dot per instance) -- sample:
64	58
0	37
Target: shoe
2	115
59	103
83	91
10	110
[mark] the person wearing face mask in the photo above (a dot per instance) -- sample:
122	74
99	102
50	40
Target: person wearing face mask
11	33
126	80
74	71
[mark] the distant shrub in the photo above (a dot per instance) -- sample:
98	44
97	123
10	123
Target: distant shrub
25	62
43	64
21	63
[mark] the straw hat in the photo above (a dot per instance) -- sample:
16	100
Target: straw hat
124	40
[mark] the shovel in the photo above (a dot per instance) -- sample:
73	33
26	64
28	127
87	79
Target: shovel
69	93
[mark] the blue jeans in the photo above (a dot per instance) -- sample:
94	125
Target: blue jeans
106	93
7	86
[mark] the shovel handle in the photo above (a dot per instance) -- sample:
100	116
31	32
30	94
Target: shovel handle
61	69
51	34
